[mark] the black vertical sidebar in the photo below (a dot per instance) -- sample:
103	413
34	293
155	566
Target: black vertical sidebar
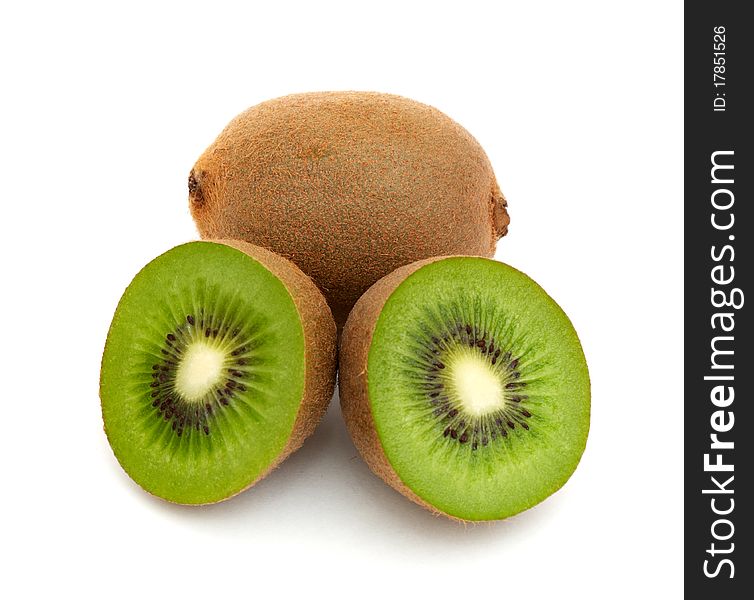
719	300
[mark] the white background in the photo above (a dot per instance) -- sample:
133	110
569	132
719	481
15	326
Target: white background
103	113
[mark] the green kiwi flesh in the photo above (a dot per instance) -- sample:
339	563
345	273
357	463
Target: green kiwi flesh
475	383
206	371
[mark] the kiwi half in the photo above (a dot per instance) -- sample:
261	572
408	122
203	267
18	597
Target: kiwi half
349	186
464	386
219	362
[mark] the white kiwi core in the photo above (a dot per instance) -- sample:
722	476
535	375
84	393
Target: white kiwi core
200	369
477	386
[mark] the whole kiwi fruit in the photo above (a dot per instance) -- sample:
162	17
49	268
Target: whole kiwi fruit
349	186
219	362
464	387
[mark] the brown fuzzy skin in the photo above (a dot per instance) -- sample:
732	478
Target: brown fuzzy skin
353	379
319	340
349	186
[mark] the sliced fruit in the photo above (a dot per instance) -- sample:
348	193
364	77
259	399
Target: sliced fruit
219	361
464	386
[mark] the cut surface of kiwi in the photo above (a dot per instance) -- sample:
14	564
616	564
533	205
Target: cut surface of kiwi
218	363
464	385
